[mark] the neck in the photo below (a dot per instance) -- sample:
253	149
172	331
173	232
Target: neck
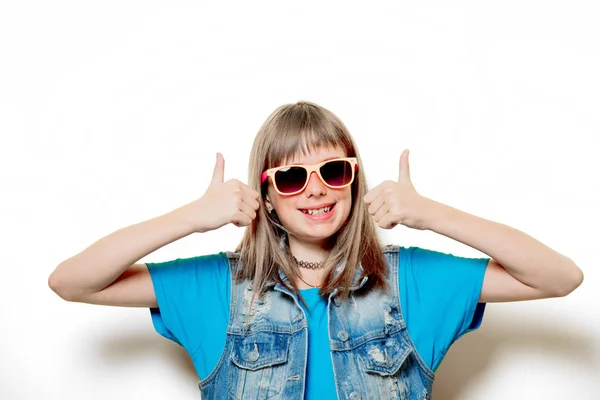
312	252
310	278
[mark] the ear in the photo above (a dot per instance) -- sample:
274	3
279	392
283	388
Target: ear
268	203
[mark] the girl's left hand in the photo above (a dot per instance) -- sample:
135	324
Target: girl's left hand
392	203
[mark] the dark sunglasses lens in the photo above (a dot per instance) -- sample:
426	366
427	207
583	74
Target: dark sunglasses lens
290	180
337	173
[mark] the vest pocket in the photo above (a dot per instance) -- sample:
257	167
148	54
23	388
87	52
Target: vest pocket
258	363
385	361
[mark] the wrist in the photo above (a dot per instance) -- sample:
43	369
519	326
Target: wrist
180	217
434	212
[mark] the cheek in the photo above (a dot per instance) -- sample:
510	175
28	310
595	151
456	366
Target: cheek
287	209
346	201
347	209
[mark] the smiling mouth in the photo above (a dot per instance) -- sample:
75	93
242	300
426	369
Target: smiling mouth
323	210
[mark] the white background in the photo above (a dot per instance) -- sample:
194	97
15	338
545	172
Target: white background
111	114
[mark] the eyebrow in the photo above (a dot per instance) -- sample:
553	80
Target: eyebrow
327	159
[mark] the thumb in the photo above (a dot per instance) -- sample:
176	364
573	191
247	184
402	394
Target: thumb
219	171
404	173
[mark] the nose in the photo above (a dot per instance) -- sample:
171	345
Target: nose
315	186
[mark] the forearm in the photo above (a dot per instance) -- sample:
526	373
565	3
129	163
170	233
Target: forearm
523	257
100	264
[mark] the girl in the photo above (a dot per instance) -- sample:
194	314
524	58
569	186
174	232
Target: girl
311	305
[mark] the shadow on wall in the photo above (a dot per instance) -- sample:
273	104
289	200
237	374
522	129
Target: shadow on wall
128	347
466	362
471	356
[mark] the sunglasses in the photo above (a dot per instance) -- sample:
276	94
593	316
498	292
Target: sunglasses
291	179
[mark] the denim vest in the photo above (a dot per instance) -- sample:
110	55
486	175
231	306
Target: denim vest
265	350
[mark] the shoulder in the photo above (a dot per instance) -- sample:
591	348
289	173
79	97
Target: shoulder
233	260
194	267
193	259
231	254
417	258
401	251
395	248
391	248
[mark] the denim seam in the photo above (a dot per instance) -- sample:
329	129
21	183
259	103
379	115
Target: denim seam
396	271
226	350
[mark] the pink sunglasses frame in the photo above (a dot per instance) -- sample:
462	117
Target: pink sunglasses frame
309	170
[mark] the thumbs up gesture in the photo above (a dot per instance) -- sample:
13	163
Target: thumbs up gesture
223	202
392	203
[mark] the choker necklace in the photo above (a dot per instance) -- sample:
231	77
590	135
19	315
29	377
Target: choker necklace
309	264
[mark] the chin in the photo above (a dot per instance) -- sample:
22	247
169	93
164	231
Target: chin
320	233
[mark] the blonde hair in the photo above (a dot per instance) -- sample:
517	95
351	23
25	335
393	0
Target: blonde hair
264	250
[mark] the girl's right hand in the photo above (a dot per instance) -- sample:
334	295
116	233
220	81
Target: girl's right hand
223	202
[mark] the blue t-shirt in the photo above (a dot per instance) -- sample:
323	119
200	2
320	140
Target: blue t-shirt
439	295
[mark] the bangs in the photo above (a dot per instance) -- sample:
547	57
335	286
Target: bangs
300	131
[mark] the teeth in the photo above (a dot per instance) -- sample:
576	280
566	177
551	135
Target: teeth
319	211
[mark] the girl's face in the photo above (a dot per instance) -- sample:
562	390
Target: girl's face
292	209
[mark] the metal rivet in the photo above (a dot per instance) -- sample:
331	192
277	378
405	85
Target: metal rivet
343	335
355	396
253	356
